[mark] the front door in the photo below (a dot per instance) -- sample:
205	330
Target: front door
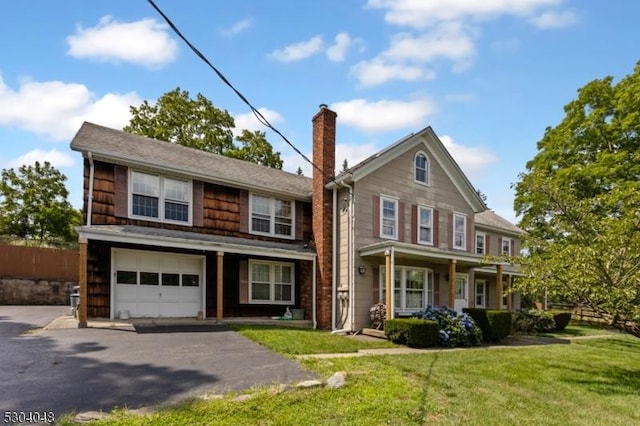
461	293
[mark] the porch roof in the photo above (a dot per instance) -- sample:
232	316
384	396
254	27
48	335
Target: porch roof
434	255
159	237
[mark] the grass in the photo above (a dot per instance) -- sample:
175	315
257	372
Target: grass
591	381
299	341
582	328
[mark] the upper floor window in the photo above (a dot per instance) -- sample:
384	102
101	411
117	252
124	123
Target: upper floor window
481	239
271	216
506	246
389	215
421	168
160	197
460	231
425	225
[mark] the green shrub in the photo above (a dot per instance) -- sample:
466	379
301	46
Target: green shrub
501	324
562	319
416	333
534	321
495	324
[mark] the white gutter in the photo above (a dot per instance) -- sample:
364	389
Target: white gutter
90	194
334	243
352	269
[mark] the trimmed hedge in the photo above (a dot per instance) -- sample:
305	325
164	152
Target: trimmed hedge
413	332
562	320
495	324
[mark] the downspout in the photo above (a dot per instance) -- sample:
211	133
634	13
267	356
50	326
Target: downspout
313	294
352	270
334	243
90	194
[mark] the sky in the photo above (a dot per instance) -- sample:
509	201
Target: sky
488	76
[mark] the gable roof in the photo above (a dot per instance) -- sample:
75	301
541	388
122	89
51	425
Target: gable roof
427	138
125	148
491	220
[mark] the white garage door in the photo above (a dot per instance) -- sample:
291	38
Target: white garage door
149	284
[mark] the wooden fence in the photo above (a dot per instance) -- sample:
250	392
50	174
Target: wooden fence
38	263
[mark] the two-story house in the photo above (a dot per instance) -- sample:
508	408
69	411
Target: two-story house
174	232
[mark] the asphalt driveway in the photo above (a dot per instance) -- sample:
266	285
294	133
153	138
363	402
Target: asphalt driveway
96	369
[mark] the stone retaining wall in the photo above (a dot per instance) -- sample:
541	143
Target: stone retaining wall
16	291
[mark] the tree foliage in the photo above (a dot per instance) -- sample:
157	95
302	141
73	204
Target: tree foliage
580	202
197	123
34	205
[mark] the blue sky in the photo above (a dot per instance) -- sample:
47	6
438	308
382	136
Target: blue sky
488	76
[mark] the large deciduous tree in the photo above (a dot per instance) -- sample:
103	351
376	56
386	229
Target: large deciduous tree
197	123
579	200
34	205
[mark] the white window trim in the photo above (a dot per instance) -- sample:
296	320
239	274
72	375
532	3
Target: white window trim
508	240
428	243
396	202
483	282
453	230
401	271
271	300
161	199
272	217
484	242
427	171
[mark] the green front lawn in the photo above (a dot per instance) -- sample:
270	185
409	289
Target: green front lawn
298	341
589	382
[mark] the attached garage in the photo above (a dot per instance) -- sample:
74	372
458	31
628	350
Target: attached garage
153	284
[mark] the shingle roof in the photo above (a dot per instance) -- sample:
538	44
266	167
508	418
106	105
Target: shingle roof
490	219
133	149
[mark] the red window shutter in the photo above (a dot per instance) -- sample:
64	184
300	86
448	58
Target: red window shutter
513	247
376	216
486	244
436	289
299	220
450	230
499	246
436	228
414	224
121	191
401	221
198	203
244	211
244	281
471	247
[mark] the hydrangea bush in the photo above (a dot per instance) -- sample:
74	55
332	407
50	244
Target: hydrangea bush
455	329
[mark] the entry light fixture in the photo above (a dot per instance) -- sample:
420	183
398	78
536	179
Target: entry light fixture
362	269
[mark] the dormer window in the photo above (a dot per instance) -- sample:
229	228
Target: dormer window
421	163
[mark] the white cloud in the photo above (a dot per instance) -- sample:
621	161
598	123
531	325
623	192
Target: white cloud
384	115
249	121
56	158
57	109
378	71
237	28
338	51
448	40
421	13
145	42
553	19
298	51
472	160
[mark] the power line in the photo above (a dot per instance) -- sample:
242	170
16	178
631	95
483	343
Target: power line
255	111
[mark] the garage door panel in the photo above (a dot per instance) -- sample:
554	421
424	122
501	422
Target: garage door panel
157	284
